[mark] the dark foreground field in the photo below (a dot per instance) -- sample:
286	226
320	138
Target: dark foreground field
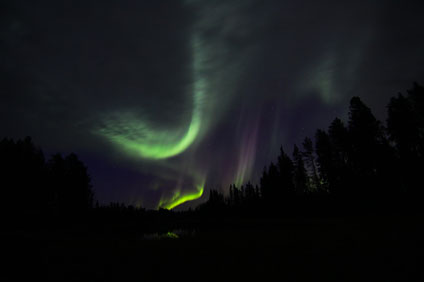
375	249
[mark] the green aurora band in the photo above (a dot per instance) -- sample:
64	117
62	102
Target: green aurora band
179	198
134	135
214	72
137	138
147	143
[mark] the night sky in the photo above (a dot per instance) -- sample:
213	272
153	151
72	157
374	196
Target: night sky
164	100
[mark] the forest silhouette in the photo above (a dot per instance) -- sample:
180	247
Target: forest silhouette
33	184
354	167
362	166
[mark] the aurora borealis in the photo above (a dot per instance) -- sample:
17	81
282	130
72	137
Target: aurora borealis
136	137
164	100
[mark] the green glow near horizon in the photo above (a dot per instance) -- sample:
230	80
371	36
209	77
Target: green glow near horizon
172	235
179	199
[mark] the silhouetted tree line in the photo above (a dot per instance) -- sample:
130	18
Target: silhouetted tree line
29	182
361	165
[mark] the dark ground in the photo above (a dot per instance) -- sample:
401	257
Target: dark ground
353	249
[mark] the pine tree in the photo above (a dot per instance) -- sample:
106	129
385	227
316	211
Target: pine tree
309	155
324	153
300	174
285	172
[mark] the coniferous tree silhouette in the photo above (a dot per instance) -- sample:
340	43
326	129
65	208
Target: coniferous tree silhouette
367	142
362	167
250	196
270	184
22	174
310	162
285	174
300	175
405	126
31	184
340	156
324	151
